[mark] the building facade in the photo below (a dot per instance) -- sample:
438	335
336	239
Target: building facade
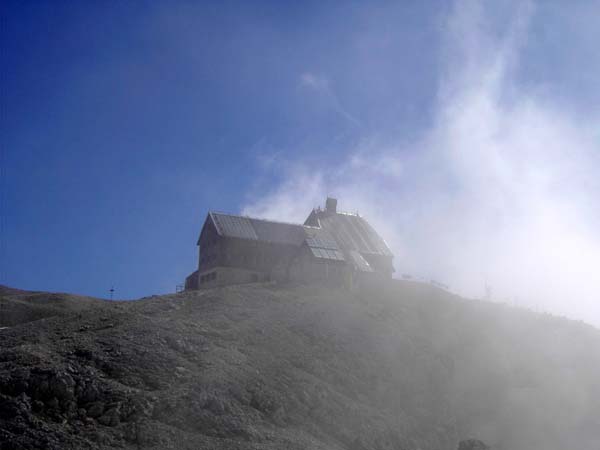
330	247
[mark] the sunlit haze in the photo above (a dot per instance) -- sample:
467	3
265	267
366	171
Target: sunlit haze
500	190
468	134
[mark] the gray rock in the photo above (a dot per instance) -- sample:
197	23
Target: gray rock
53	403
110	418
95	409
89	393
472	444
61	386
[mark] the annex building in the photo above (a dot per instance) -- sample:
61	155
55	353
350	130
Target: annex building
330	247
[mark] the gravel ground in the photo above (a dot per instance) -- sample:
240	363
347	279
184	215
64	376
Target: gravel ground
400	366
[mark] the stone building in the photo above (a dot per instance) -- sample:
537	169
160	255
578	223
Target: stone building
330	247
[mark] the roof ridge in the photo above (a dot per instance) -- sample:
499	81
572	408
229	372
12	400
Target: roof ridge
256	218
341	213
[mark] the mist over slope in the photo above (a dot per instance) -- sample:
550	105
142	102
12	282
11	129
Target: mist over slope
400	366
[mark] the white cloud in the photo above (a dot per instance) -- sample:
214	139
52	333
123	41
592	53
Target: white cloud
502	189
322	86
312	81
301	191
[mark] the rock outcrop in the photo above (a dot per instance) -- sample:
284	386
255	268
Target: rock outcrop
404	366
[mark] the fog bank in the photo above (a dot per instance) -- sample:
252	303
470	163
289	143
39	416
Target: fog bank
501	190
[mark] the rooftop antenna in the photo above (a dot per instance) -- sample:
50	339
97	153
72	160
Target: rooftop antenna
111	290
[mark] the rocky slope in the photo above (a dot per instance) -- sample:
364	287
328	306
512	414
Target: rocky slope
402	366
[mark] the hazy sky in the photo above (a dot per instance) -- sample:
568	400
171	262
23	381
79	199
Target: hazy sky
467	133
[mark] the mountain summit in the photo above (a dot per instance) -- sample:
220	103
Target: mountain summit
262	366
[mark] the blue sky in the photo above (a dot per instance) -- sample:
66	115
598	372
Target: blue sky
123	123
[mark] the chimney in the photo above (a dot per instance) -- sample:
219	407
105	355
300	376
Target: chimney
331	205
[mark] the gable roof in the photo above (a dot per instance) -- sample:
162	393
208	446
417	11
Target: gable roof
233	226
351	231
241	227
347	232
359	263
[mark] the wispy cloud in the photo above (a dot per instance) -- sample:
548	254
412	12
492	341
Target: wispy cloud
502	188
321	86
312	81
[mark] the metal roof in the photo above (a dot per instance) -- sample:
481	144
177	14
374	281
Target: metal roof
360	263
337	233
278	232
353	232
322	242
234	226
257	229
